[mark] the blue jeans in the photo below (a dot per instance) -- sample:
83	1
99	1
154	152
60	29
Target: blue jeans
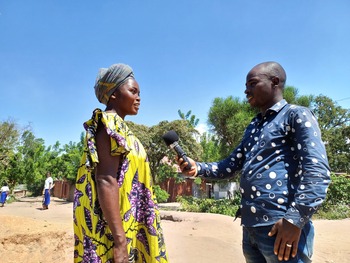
258	246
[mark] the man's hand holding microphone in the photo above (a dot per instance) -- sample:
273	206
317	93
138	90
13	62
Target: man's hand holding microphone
186	164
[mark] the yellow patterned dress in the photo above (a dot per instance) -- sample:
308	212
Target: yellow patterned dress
138	208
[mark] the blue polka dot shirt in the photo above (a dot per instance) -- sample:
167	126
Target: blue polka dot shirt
283	164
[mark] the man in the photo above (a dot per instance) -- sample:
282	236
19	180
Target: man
46	191
285	172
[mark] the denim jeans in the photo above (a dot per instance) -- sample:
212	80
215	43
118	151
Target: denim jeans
258	246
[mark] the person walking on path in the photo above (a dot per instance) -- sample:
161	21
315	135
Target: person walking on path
47	191
284	172
5	190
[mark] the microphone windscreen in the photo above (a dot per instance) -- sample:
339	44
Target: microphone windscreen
170	137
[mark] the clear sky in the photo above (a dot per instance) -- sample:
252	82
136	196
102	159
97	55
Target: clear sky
184	54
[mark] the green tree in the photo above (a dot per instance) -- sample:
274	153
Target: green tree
9	138
32	165
228	119
210	145
156	149
334	124
291	95
70	159
191	119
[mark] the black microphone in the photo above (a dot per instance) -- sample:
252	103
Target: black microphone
170	139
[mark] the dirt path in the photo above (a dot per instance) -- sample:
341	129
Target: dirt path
32	235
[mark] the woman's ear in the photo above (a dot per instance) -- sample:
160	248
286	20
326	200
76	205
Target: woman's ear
114	95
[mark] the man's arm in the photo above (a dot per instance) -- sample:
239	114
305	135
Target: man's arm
223	169
215	170
314	169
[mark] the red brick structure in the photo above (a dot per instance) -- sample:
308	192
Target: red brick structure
63	189
185	188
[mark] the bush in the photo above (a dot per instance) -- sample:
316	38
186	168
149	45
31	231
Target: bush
338	211
338	190
161	195
207	205
337	203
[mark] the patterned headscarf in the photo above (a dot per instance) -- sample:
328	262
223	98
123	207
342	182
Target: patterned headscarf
109	79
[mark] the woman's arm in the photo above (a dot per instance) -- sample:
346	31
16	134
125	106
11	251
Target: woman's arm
108	193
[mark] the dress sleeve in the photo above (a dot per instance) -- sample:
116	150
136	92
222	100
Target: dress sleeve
118	133
115	128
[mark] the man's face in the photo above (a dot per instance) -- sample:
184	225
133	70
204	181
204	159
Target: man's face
260	89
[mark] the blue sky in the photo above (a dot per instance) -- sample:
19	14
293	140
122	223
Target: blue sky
184	54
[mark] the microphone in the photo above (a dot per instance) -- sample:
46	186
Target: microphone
170	139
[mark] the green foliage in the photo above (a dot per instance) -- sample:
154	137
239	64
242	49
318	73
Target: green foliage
338	190
211	149
9	138
161	195
27	159
197	180
166	171
337	211
207	205
291	95
334	124
228	119
151	139
337	203
191	119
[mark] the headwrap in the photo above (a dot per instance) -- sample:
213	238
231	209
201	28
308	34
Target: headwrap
109	79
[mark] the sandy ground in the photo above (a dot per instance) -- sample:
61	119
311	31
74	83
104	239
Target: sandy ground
29	234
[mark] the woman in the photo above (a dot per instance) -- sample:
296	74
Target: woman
116	218
4	191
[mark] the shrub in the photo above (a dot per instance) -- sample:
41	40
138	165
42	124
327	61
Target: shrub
161	195
207	205
337	203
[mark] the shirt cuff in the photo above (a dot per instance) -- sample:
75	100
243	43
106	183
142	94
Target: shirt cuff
200	170
293	216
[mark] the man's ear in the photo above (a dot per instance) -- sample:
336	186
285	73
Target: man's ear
275	80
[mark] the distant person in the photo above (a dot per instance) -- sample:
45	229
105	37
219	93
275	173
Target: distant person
116	218
5	190
284	172
47	191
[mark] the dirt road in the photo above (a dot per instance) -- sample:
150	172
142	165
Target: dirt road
32	235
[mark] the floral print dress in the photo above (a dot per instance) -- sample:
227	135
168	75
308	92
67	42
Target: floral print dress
138	208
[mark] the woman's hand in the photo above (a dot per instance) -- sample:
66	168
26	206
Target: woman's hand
120	254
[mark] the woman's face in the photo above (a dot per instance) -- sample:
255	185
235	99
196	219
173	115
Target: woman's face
127	98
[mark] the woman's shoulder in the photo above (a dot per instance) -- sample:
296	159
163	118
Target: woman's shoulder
111	120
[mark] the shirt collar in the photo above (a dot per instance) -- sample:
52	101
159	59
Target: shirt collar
277	107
